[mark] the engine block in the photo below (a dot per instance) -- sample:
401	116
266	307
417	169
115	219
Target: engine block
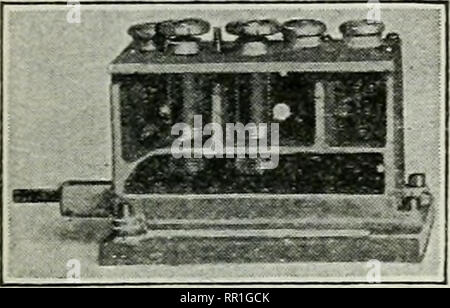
339	192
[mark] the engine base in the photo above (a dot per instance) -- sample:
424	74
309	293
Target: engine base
224	244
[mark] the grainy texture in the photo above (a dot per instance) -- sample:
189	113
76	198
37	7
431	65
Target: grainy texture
67	94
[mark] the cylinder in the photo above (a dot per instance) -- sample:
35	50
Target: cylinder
186	48
254	48
191	100
190	97
258	97
218	39
303	33
143	35
259	84
362	33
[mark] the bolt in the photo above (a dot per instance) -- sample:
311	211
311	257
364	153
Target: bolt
417	180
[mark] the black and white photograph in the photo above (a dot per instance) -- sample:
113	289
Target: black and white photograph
253	143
